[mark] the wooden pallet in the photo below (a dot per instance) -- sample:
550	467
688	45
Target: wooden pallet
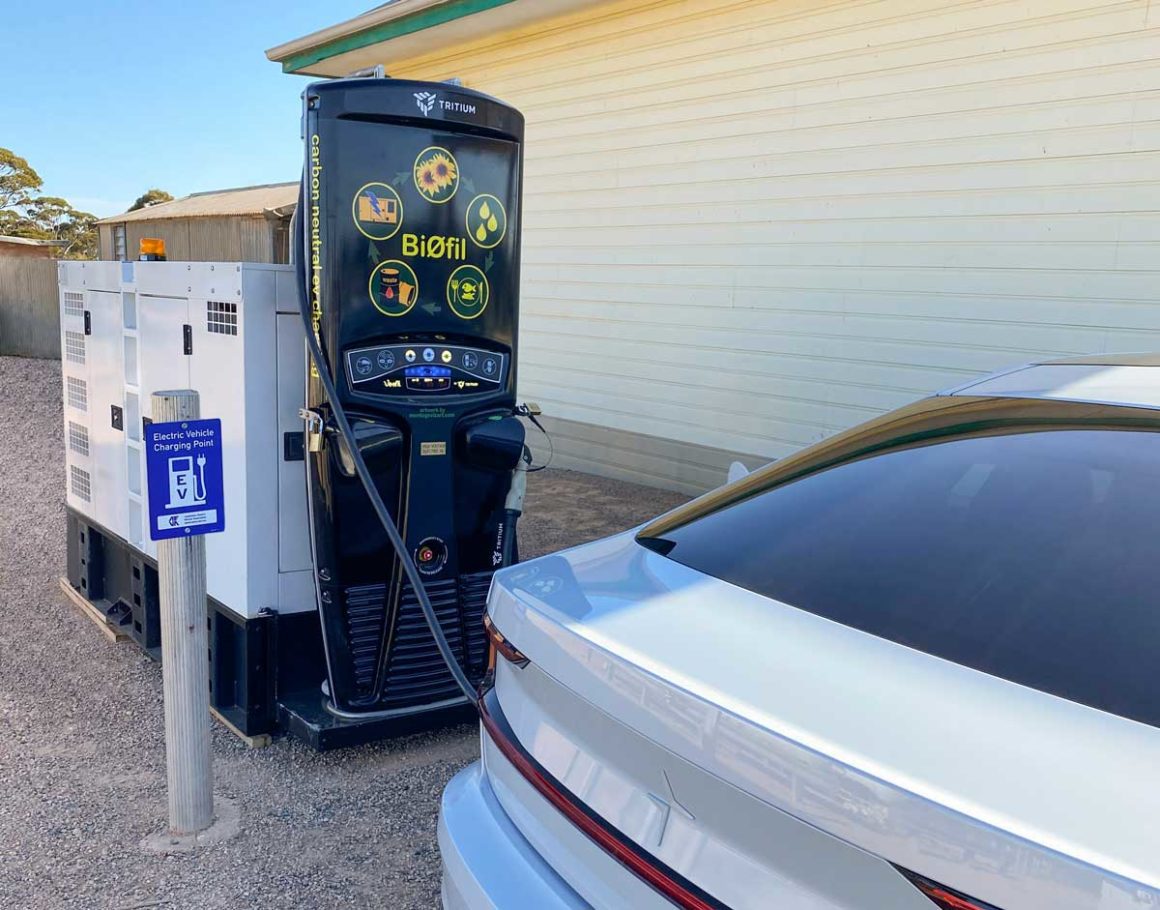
116	635
257	741
110	631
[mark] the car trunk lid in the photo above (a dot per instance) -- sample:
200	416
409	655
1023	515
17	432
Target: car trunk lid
756	749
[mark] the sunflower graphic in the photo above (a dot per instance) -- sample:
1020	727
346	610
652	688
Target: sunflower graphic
436	174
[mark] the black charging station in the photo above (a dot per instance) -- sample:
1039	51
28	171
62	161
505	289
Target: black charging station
410	253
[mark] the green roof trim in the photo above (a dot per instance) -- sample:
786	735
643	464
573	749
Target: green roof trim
405	25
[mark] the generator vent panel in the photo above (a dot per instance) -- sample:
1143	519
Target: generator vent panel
78	393
74	347
78	438
221	318
79	483
74	303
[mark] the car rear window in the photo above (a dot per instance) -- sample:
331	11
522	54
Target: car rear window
1032	556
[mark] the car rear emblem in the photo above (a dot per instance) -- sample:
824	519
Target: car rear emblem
666	807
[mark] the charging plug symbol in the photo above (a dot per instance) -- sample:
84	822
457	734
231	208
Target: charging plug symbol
186	487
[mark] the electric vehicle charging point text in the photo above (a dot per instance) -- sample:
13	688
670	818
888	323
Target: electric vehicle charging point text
183	460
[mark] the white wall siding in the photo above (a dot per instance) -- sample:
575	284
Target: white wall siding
751	224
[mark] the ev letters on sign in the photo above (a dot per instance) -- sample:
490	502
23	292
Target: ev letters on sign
183	463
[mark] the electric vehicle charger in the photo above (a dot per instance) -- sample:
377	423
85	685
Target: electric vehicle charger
364	475
408	283
514	504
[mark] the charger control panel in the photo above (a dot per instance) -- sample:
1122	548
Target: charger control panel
420	369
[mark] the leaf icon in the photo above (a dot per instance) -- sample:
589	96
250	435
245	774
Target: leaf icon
481	233
492	224
484	210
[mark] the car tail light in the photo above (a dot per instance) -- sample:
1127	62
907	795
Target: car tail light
502	646
943	897
683	893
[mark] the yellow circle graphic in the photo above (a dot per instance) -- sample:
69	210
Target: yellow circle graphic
436	174
394	287
468	292
377	211
486	221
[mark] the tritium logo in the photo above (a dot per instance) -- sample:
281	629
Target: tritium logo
425	101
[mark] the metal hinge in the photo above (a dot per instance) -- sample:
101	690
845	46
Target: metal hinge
88	323
187	338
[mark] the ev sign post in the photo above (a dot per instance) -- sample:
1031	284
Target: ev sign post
183	464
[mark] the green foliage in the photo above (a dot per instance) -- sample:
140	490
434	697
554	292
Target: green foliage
150	197
23	213
18	181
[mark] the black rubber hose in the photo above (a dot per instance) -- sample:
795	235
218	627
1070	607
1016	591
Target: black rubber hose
409	567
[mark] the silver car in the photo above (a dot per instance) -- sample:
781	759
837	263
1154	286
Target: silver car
915	665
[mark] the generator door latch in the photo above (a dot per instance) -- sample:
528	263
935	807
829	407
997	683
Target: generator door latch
293	446
88	323
187	338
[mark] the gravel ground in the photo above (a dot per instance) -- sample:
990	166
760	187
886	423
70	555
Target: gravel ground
82	762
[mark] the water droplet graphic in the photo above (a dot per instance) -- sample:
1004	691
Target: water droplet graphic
492	224
481	233
484	210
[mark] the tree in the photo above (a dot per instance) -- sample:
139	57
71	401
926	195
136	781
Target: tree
61	222
23	213
18	181
150	197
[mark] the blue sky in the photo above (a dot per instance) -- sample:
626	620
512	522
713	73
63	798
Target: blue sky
106	99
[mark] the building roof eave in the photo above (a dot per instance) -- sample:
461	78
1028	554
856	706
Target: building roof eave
427	25
384	23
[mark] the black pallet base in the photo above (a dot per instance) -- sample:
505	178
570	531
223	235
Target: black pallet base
304	716
265	671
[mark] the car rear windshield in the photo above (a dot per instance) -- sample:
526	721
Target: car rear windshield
1032	556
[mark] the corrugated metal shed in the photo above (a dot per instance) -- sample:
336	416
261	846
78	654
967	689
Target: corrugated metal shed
247	200
24	248
249	224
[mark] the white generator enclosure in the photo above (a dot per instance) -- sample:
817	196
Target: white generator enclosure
231	331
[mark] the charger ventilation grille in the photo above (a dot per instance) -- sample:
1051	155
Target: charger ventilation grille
221	318
77	393
79	483
78	438
74	347
74	303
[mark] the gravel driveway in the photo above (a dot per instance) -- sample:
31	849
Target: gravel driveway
82	763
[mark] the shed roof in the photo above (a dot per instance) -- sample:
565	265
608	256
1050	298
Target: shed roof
247	200
28	241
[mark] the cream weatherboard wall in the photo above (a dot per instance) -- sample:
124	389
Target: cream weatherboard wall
751	224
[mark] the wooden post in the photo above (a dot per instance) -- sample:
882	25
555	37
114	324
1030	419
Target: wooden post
184	657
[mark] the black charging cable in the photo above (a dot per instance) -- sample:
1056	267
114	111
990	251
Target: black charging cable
364	475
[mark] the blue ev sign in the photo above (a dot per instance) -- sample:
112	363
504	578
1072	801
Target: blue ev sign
183	461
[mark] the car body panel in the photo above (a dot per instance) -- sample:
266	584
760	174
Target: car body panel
1102	383
737	847
1000	791
487	864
